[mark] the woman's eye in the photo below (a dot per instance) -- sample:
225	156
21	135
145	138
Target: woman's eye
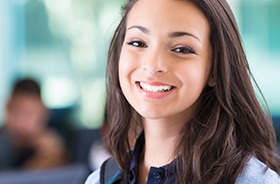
137	44
183	50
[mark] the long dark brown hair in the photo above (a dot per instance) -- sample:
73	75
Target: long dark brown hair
229	125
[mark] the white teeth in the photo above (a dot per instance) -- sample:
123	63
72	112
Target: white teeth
154	89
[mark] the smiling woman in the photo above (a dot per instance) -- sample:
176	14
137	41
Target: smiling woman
176	56
183	85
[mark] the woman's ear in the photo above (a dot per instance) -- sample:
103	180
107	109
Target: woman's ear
211	81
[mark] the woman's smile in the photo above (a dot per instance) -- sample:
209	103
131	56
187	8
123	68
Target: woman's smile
153	89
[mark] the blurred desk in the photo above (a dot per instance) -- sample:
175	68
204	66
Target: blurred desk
73	174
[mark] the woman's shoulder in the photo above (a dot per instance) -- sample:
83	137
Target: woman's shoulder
94	178
258	173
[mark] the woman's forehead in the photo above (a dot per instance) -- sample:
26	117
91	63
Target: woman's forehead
168	16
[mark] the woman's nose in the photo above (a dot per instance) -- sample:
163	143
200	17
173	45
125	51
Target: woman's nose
155	62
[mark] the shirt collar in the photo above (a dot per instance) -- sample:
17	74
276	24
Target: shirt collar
137	151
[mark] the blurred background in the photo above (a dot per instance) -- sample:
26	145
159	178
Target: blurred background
63	45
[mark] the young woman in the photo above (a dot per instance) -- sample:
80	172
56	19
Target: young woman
177	71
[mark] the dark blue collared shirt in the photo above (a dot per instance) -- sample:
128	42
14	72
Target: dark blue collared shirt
254	172
157	175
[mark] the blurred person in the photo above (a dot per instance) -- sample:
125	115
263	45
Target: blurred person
26	142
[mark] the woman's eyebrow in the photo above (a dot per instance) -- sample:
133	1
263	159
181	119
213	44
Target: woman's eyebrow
171	35
141	28
181	34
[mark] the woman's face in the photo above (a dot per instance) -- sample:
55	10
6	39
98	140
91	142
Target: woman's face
165	60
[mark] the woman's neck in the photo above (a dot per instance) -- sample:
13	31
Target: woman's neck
160	143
